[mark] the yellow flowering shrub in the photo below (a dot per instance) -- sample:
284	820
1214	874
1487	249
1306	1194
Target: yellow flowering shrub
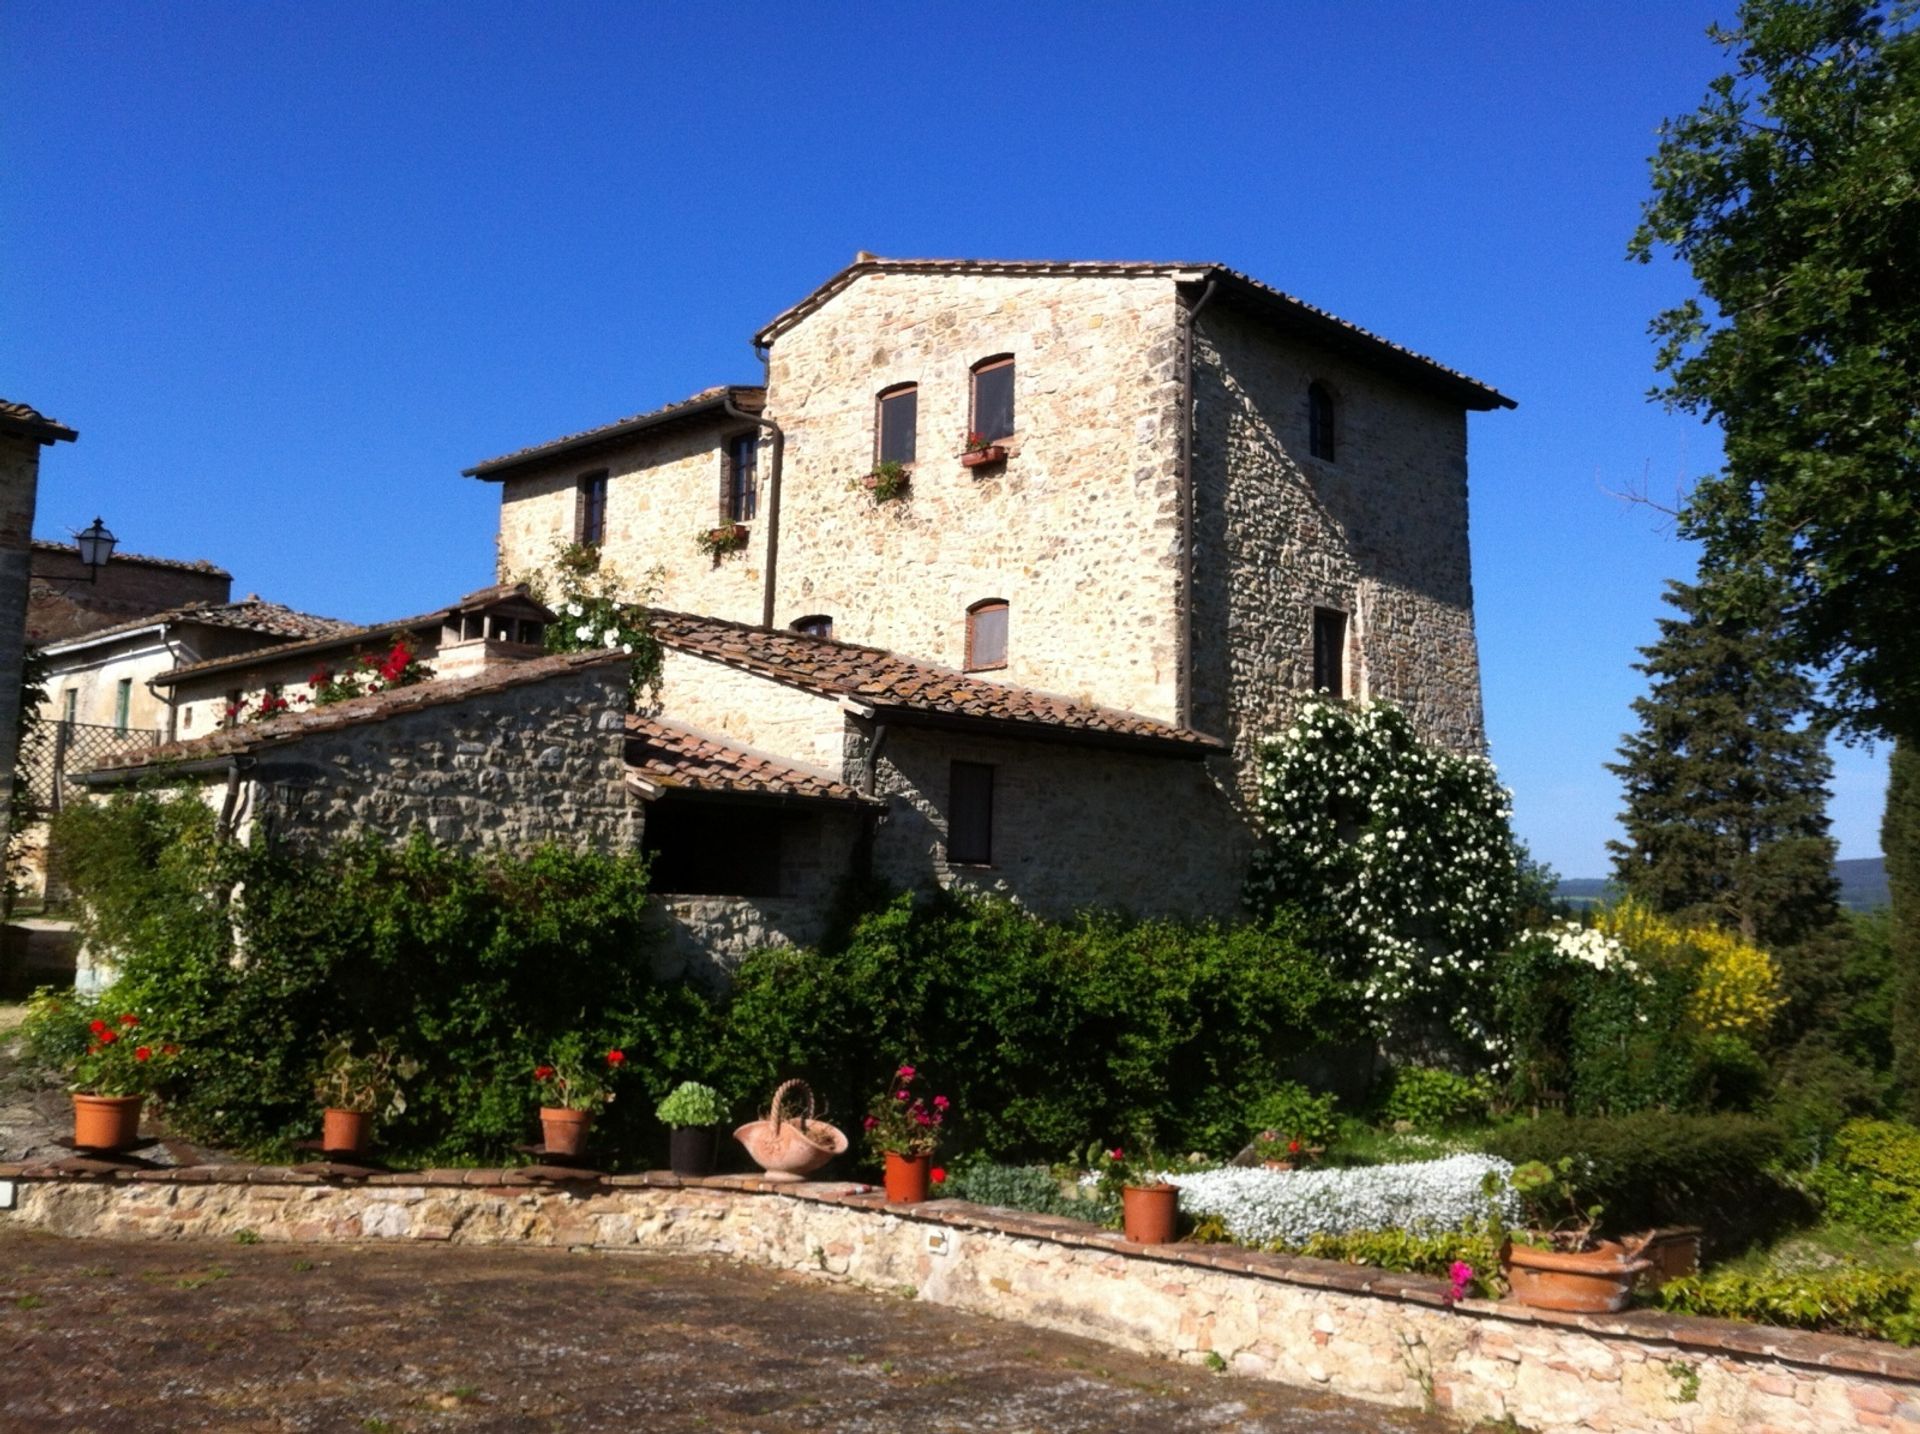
1736	988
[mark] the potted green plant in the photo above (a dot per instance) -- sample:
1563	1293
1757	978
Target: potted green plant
572	1084
1556	1259
112	1063
1149	1202
903	1129
977	451
887	481
720	542
356	1090
694	1113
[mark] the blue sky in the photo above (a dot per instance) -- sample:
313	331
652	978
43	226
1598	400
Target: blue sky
289	269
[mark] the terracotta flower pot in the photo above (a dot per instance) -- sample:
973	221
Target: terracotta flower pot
691	1148
1595	1281
980	457
564	1132
1149	1213
106	1122
906	1178
345	1132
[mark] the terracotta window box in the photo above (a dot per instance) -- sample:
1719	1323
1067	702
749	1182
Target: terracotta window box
981	457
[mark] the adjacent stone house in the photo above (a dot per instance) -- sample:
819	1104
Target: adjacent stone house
24	431
997	579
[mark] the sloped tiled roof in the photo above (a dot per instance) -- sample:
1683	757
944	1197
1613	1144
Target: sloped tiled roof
397	702
1282	309
271	619
910	690
29	422
748	398
348	635
186	565
671	758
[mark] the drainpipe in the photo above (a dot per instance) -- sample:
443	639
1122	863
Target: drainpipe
224	832
1183	668
773	488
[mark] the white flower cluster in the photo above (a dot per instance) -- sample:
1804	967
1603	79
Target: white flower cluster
1408	848
1574	942
1262	1207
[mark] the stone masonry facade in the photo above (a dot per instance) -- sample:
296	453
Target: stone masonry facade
1357	1332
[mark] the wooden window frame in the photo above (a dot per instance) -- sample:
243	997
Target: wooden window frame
1336	653
880	420
986	365
984	855
729	466
122	704
973	613
1322	436
589	517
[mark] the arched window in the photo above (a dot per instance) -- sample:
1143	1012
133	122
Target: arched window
896	424
987	635
817	624
1320	421
991	413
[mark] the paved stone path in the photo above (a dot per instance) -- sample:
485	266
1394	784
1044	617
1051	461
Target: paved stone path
99	1335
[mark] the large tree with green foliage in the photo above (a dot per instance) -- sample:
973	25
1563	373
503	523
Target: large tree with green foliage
1726	783
1793	194
1900	840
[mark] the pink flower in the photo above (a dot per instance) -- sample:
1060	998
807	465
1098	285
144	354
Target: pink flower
905	1073
899	1095
940	1102
870	1122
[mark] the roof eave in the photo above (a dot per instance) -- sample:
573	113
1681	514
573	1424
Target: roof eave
1194	747
494	468
45	431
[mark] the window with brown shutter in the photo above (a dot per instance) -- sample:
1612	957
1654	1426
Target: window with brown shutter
897	424
987	635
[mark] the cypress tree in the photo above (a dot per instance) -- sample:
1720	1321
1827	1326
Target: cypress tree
1900	843
1726	783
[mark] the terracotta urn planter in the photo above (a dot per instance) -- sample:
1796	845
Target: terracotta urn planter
1595	1281
907	1178
345	1132
790	1148
1149	1213
690	1149
106	1122
980	457
564	1132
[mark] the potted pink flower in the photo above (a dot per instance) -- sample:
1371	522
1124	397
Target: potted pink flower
903	1128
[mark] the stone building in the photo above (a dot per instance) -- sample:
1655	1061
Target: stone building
70	600
996	580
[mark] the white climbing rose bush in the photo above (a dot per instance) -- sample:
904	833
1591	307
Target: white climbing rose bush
1261	1207
1403	852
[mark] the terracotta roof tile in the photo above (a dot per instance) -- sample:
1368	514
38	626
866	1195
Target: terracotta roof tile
747	397
1295	313
185	565
270	619
295	727
29	422
913	690
673	758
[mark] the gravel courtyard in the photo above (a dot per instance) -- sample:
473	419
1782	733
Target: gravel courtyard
120	1336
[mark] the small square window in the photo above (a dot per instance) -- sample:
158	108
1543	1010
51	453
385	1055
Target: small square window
970	814
993	400
591	530
986	636
1330	651
899	424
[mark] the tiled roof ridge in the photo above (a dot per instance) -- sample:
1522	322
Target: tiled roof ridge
677	408
207	612
685	758
189	565
901	683
875	264
26	419
375	707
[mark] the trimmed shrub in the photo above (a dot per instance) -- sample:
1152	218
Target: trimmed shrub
1431	1099
1024	1187
1045	1035
1260	1207
1429	1253
1653	1168
1871	1177
1873	1304
1293	1112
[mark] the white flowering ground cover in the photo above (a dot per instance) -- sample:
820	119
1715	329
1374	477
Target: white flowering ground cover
1262	1207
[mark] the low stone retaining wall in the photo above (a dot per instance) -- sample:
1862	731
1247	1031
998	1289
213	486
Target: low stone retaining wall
1358	1332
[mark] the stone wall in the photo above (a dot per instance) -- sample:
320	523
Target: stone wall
1073	827
1380	533
1078	530
1348	1330
663	489
68	603
771	717
507	769
19	490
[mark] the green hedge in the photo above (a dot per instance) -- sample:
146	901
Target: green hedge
1044	1035
1652	1168
1870	1177
1873	1304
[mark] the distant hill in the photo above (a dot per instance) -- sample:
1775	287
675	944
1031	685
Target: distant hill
1863	885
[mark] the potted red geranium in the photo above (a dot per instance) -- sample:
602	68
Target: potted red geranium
978	452
573	1084
1149	1203
112	1060
903	1128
